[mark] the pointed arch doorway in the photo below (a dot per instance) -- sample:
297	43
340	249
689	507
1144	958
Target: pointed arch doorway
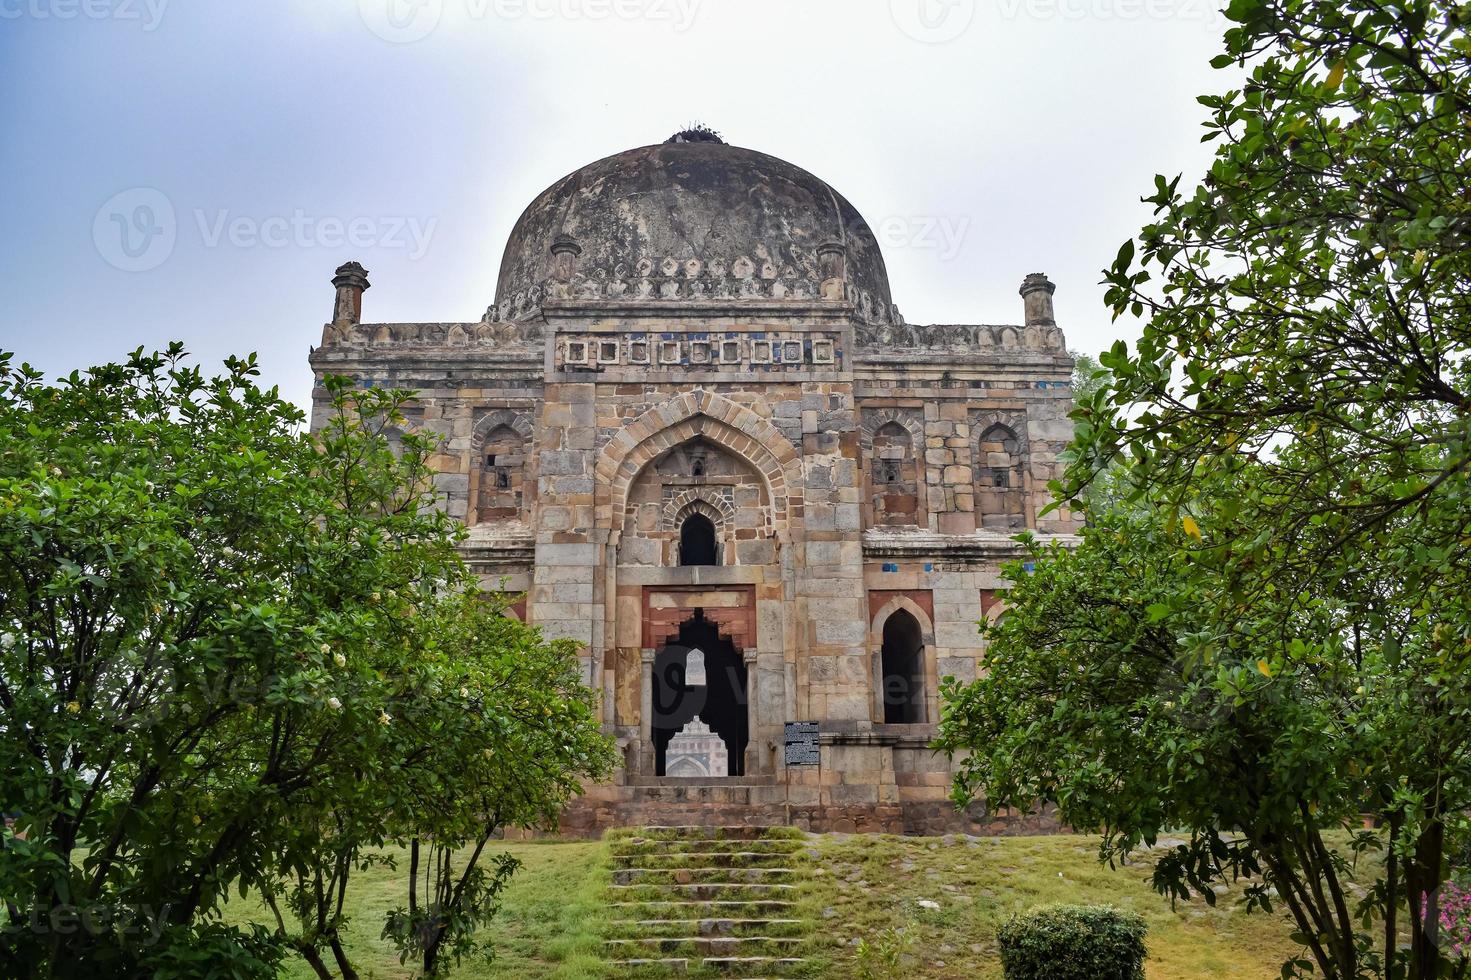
699	682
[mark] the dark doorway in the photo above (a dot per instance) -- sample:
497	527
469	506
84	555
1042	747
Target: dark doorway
697	541
720	703
902	665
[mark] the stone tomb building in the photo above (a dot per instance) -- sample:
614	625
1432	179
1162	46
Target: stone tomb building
695	432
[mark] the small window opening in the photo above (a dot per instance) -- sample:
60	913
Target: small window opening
697	541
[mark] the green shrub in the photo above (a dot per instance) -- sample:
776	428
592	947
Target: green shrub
1073	942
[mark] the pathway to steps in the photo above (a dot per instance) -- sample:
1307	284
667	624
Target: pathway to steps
707	901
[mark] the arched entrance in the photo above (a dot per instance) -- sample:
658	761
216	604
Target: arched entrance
679	698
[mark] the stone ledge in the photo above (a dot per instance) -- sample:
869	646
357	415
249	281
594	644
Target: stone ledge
498	551
927	544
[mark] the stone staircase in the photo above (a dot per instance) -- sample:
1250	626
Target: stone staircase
707	902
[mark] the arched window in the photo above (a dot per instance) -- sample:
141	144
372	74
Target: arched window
697	541
1000	490
502	464
902	670
895	481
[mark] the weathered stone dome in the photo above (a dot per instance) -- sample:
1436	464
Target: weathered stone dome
694	218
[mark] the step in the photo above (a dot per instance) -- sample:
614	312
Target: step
739	965
698	832
673	845
704	859
706	901
707	908
705	890
704	945
665	964
710	926
701	876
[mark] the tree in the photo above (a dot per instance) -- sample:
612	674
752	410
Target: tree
1293	429
1134	685
1089	376
495	734
1104	490
228	660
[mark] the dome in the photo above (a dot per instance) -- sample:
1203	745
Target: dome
693	218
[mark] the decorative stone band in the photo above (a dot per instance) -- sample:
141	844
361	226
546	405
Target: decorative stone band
692	280
969	336
767	350
430	335
754	350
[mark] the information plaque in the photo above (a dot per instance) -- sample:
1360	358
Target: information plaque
802	743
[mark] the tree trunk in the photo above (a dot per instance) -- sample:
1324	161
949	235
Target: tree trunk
1391	900
1425	902
343	964
313	957
413	876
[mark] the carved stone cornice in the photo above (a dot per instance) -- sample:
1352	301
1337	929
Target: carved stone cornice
489	556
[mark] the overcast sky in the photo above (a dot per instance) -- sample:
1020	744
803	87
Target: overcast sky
195	169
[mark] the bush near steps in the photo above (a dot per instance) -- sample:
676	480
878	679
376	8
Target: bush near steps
1073	942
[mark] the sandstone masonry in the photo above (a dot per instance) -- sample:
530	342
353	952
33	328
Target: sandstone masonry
693	421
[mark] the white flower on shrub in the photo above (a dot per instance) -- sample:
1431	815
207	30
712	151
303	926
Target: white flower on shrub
334	704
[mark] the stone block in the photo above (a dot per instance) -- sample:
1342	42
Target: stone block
961	668
821	669
840	632
561	462
761	552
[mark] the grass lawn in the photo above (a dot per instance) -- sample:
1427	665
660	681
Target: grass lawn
873	885
549	925
862	887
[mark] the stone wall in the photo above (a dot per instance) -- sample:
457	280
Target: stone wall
846	483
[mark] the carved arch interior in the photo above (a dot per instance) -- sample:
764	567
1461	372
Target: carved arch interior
1002	480
893	444
696	481
716	419
502	486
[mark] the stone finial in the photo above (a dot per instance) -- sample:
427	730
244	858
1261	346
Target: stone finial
1036	293
351	279
565	251
696	133
832	264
